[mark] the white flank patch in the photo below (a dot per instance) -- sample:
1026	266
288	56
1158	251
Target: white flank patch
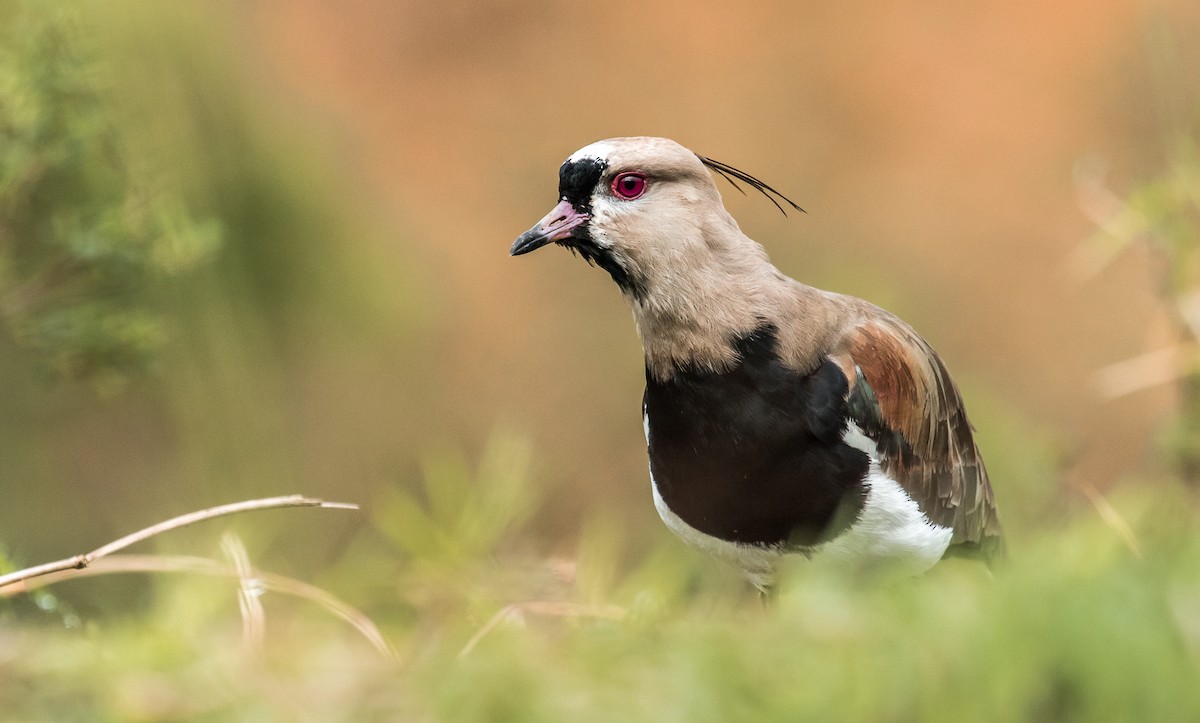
891	525
890	528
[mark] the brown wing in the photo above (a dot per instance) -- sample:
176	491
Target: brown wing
903	399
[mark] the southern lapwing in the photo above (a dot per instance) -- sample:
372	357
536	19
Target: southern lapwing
779	418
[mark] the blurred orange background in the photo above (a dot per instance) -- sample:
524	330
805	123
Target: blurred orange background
935	146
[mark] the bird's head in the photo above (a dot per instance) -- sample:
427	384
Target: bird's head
643	209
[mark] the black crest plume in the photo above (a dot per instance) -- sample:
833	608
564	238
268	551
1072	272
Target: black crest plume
729	173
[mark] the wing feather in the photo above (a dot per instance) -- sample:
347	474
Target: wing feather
904	400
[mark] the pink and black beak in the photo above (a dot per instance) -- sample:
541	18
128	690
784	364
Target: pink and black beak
561	223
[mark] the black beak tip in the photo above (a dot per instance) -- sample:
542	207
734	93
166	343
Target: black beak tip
531	240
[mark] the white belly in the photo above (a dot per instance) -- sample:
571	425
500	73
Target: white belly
890	528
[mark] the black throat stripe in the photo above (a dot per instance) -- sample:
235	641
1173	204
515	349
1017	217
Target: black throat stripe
577	181
755	455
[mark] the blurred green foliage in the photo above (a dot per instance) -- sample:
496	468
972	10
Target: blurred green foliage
169	232
1169	206
87	220
1162	214
1078	628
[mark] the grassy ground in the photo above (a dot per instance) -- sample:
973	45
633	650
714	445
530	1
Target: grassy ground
1087	622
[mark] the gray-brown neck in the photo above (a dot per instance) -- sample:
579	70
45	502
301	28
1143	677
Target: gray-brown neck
696	304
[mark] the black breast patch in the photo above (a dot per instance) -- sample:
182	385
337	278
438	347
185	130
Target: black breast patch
755	455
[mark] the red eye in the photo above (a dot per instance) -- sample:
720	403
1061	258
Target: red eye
629	185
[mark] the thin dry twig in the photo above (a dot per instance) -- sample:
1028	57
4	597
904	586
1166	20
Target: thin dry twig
13	580
1116	221
1152	369
1113	519
264	581
545	608
250	590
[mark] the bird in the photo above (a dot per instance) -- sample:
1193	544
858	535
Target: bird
779	418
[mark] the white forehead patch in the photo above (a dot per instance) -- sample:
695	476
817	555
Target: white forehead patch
599	150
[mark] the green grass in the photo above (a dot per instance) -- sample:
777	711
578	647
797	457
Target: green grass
1076	627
